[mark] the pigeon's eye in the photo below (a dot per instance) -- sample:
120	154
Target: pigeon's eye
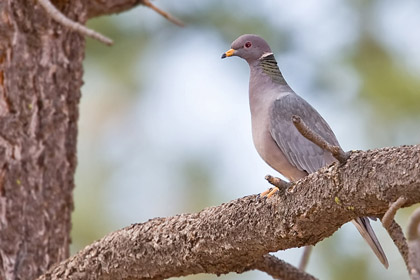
248	45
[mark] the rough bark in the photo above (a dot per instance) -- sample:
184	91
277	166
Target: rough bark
40	80
234	236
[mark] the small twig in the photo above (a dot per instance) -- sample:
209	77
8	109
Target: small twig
307	250
413	225
279	269
388	217
163	13
72	25
309	134
277	182
397	235
395	231
414	245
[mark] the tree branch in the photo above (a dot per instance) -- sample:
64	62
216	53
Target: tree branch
389	215
53	12
413	226
307	250
106	7
414	245
277	182
161	12
101	7
235	235
397	236
394	230
279	269
309	134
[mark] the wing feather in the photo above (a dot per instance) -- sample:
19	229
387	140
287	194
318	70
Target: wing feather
300	152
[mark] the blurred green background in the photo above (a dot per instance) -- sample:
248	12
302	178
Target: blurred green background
165	123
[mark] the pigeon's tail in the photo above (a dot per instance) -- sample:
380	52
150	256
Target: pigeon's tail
363	226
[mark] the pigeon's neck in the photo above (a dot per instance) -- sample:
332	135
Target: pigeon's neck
266	84
268	65
266	79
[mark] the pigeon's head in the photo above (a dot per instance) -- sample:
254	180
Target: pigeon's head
249	47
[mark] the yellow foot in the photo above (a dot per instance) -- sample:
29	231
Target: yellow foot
264	193
268	193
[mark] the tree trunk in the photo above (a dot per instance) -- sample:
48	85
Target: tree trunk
40	80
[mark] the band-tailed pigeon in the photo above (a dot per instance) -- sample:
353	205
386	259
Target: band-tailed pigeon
279	143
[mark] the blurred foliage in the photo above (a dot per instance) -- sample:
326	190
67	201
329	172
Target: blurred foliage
119	61
198	186
219	16
392	90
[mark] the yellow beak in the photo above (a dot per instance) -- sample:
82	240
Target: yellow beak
228	53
